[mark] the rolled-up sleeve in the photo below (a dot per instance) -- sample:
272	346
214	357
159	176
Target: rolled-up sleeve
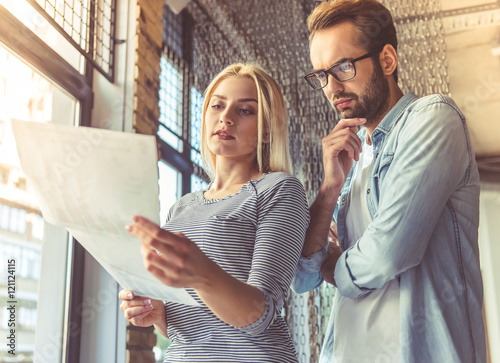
307	276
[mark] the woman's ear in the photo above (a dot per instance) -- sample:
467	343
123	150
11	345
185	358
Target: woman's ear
267	137
388	59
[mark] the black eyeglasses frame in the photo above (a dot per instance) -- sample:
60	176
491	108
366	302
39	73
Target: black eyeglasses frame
352	61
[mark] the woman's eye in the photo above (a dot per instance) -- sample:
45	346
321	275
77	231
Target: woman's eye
246	112
216	107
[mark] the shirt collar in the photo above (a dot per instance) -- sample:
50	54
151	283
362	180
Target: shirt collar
393	116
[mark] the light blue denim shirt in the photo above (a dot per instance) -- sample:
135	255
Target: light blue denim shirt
423	197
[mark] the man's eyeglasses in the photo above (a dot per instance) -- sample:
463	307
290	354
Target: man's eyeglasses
341	71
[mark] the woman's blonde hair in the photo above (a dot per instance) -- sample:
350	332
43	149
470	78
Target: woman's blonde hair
272	144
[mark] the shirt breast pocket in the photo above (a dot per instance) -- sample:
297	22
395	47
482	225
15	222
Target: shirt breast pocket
229	241
383	166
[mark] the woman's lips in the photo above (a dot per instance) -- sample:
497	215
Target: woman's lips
223	135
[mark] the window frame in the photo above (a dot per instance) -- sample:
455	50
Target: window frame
57	332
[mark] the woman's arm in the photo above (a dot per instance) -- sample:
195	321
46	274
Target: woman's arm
180	263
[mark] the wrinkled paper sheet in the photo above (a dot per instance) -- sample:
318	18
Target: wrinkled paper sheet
92	182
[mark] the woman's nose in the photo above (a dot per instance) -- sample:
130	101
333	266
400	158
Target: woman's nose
226	118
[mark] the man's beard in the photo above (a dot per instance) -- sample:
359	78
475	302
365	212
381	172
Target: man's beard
373	102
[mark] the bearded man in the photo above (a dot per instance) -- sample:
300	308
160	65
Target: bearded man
403	194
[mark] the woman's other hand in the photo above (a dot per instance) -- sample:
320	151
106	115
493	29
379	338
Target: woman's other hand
142	311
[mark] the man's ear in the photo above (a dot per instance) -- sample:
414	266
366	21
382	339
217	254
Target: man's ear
388	59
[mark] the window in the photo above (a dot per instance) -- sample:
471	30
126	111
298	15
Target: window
180	104
88	27
196	110
28	96
42	80
169	185
180	169
170	130
39	25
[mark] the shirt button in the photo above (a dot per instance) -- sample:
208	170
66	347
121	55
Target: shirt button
368	191
343	199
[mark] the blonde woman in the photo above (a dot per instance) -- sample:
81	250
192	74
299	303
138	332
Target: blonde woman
235	245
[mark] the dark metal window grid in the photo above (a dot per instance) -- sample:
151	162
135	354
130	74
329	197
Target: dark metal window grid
176	80
196	114
173	31
171	97
181	108
89	26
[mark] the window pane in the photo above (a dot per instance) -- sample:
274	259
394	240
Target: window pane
27	96
169	186
170	138
196	113
197	183
161	346
170	104
196	157
4	216
41	27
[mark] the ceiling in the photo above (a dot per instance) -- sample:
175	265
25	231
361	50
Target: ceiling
472	36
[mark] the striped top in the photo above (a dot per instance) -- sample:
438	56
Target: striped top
256	235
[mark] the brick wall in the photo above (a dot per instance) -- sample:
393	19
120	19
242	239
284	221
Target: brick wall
147	66
140	343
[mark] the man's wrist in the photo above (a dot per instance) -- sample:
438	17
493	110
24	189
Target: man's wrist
329	191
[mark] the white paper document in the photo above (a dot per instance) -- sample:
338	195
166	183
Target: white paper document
92	182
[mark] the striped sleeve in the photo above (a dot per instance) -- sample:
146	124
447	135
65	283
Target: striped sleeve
283	217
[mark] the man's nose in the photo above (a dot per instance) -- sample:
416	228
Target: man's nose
333	87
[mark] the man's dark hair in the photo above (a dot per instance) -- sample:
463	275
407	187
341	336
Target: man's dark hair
372	21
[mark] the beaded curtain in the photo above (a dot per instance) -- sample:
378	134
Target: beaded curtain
274	35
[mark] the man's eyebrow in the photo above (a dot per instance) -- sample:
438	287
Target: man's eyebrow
240	100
